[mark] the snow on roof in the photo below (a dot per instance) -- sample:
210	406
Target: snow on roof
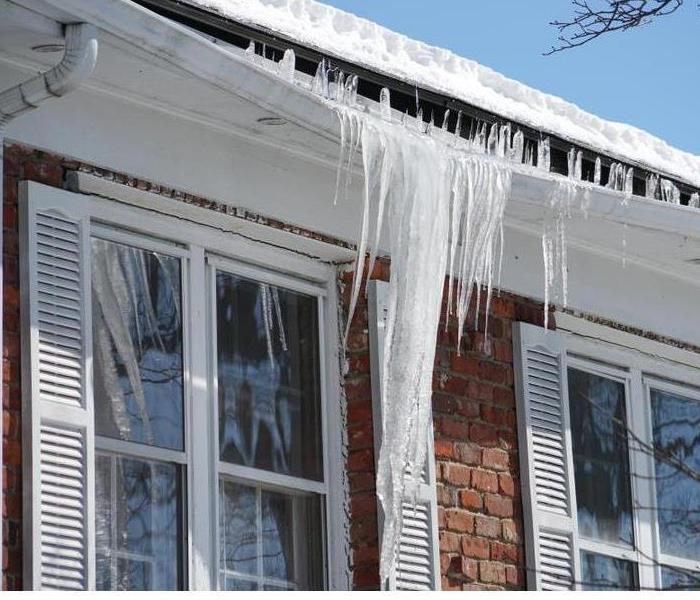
334	32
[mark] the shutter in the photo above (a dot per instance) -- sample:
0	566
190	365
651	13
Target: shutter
418	565
546	463
57	403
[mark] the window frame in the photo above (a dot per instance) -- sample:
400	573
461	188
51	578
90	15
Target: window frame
640	371
193	240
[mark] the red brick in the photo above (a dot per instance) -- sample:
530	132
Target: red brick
465	364
511	532
454	429
468	453
494	458
444	449
504	396
449	542
457	475
459	520
504	552
444	495
492	572
515	577
506	485
468	408
358	389
470	500
489	527
361	460
366	577
360	411
365	555
363	504
480	433
475	547
484	481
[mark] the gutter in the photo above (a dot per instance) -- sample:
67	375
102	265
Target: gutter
78	62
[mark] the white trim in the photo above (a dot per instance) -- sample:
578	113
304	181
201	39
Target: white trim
270	479
597	333
136	450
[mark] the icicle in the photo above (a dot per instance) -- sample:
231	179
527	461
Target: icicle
286	67
652	186
554	245
385	104
351	84
445	120
598	170
427	190
458	127
320	82
516	152
504	141
669	192
543	156
629	181
578	167
492	143
694	201
571	163
250	51
340	88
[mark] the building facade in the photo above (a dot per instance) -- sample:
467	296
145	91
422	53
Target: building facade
179	409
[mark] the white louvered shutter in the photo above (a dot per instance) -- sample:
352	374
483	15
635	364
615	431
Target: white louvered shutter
546	463
419	556
57	409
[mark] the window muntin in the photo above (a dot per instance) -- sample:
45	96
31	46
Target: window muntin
138	383
268	384
268	377
601	458
137	344
675	425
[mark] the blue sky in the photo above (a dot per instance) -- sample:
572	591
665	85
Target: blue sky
648	77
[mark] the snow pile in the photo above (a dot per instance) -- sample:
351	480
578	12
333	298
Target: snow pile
334	32
442	205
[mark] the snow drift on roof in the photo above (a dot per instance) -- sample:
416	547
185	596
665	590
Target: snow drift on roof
334	32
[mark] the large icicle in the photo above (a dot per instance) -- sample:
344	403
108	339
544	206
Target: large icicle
442	205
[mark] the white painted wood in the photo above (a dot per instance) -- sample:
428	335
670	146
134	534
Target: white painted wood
57	407
418	561
546	462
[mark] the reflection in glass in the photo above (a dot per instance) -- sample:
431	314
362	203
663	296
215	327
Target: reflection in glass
137	345
269	539
268	377
138	524
600	572
676	424
601	458
678	579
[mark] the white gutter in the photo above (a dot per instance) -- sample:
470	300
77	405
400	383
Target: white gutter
78	62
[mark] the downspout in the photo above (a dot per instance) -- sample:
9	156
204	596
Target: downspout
78	62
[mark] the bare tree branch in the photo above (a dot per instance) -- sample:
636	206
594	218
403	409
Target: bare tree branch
591	20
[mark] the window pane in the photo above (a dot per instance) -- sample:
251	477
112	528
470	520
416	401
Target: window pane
137	345
678	579
268	377
138	530
601	459
676	423
271	538
600	572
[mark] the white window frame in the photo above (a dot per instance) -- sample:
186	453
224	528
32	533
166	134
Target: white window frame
639	371
152	229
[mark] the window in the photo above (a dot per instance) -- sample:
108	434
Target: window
182	432
610	464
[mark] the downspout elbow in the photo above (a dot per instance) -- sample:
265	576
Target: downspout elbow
78	62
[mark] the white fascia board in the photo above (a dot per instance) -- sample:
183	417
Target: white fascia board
187	50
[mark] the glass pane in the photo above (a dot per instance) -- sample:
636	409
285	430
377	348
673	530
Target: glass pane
239	585
600	572
676	423
139	517
271	537
137	345
268	377
678	579
601	459
238	528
